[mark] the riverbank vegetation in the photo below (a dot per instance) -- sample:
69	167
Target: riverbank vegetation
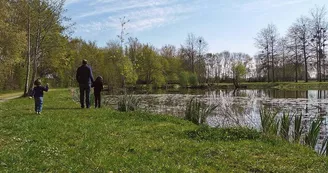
36	42
68	138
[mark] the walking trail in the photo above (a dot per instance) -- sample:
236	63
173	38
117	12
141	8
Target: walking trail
9	96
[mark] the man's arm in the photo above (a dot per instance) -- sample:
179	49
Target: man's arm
77	75
91	75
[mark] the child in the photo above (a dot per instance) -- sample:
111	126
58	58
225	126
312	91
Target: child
37	93
98	86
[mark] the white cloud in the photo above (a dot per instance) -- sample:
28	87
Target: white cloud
142	14
69	2
263	5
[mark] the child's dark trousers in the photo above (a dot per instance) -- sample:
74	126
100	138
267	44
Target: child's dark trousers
97	100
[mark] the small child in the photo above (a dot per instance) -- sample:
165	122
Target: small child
98	86
37	93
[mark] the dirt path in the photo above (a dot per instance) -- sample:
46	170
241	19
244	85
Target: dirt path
9	96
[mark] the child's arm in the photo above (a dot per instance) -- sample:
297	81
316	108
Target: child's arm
32	92
46	88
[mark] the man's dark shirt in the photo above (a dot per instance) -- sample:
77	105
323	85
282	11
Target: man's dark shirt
84	75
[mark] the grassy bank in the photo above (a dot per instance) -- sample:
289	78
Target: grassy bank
66	138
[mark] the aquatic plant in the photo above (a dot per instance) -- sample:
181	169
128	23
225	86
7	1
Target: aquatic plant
285	125
324	147
197	111
298	128
268	121
312	136
128	103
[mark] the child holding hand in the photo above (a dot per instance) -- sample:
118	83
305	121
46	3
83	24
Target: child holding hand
98	86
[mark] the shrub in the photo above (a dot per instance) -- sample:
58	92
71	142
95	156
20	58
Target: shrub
183	79
193	79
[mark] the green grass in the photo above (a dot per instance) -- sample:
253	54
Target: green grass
66	138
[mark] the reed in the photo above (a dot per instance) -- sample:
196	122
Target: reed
312	136
268	121
128	103
197	111
324	147
298	128
285	125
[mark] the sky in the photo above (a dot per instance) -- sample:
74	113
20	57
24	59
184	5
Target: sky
225	24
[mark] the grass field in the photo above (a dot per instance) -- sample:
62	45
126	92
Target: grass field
66	138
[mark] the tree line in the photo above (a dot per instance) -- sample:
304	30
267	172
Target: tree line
36	42
299	54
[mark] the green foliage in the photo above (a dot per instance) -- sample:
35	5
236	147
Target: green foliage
197	111
183	79
193	79
128	103
312	136
239	72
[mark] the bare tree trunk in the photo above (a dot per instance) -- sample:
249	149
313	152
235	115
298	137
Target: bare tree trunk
37	48
296	66
28	59
283	67
272	63
268	65
305	62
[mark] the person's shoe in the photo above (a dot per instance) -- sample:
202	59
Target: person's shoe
39	113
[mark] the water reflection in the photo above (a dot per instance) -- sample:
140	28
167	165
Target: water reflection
239	107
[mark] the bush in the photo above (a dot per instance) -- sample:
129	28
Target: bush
193	79
183	78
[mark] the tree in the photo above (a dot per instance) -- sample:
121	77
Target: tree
282	48
302	32
319	24
294	47
266	41
193	51
239	71
12	45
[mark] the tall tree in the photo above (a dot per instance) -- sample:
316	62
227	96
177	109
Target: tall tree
319	24
294	47
267	40
282	47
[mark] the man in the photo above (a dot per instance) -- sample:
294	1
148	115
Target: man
85	79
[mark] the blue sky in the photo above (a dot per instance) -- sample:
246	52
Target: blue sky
225	24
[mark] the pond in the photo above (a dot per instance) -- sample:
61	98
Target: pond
239	107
